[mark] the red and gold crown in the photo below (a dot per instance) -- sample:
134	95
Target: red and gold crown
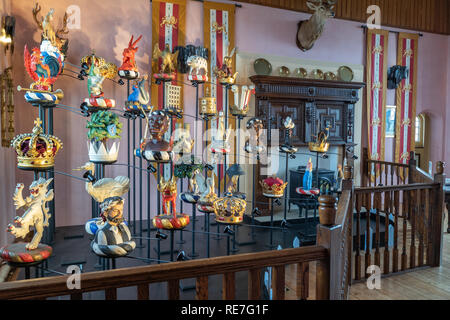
229	209
273	187
36	150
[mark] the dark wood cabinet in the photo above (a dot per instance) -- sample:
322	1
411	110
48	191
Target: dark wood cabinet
312	104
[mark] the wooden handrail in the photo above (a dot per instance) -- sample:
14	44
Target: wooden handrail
405	187
135	276
402	165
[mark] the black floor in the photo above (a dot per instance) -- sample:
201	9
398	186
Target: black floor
72	247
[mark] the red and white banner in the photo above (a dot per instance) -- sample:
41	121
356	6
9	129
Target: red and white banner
406	97
219	39
168	27
377	49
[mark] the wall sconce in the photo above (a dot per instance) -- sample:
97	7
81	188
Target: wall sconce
4	38
7	31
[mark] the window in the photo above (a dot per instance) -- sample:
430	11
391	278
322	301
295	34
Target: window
420	130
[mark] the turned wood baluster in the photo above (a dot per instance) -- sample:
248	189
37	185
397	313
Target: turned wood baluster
405	228
397	174
392	174
201	288
368	257
229	286
428	206
396	212
359	198
377	205
405	175
254	284
143	291
173	289
380	174
302	281
278	282
387	211
111	294
413	217
386	175
422	218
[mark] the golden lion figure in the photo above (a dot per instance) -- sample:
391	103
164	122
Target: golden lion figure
36	214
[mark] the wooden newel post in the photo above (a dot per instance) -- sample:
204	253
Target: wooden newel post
327	216
412	167
327	210
365	168
437	221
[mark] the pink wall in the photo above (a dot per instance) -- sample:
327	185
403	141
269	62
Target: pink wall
447	115
6	161
258	29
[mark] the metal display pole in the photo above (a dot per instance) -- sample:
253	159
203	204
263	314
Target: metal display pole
208	236
286	180
140	189
194	216
181	241
148	214
51	175
236	242
128	155
253	200
226	127
171	243
134	178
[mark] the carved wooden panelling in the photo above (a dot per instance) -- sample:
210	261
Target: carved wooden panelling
421	15
331	116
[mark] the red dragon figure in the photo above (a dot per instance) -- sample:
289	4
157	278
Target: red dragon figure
43	68
128	62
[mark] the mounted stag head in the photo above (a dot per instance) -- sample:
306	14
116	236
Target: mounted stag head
309	31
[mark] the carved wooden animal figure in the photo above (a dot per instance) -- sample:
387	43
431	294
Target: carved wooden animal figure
309	31
197	64
129	62
36	214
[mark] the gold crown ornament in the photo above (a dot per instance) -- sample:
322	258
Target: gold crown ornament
229	209
36	150
320	145
273	187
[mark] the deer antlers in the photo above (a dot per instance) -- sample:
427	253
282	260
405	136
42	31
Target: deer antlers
63	29
35	11
132	44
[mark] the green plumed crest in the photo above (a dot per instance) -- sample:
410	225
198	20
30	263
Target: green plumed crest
104	125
